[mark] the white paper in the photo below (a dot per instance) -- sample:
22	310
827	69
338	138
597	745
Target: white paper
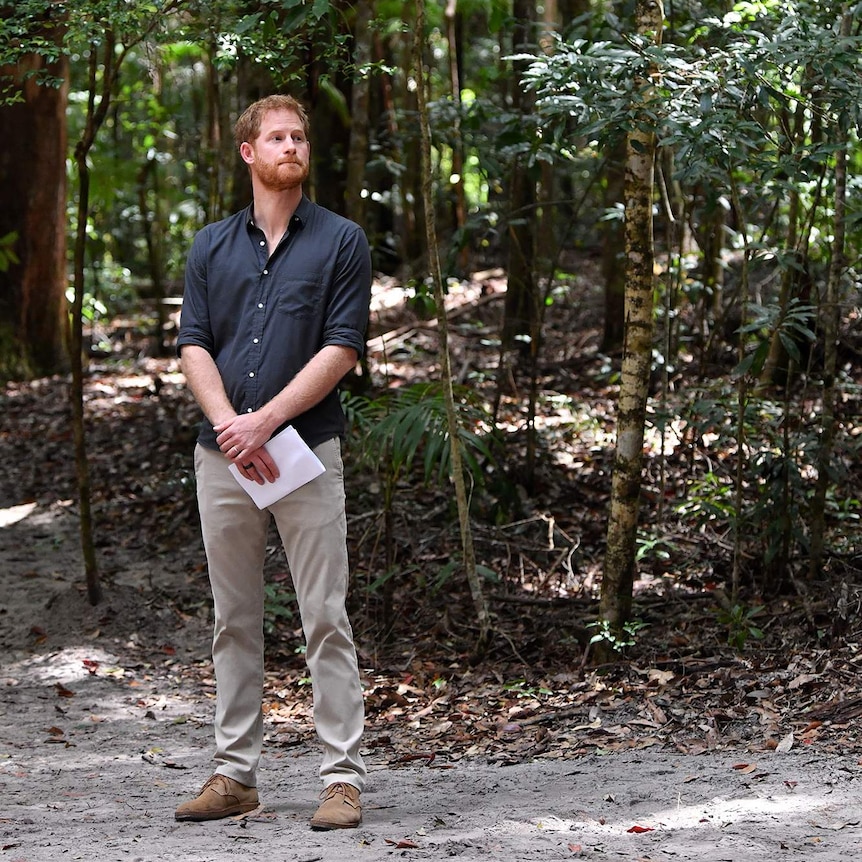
297	466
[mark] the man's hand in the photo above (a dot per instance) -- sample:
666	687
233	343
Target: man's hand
241	440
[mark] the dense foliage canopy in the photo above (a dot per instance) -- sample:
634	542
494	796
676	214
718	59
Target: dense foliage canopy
755	112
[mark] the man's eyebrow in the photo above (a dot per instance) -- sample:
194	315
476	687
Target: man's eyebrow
291	130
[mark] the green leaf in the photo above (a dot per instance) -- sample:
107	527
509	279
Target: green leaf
247	23
790	345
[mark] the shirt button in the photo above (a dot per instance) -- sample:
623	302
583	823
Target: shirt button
266	272
263	242
255	341
260	305
251	374
250	410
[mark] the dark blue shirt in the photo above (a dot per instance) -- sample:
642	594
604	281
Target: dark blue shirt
262	318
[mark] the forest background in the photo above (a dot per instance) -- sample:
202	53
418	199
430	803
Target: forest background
610	421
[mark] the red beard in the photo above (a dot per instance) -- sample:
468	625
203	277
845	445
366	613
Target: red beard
281	176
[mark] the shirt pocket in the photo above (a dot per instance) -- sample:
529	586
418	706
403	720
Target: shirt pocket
300	297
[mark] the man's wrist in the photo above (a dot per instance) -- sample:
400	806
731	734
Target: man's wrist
271	419
222	419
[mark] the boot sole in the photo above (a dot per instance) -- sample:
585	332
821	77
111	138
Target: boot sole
321	825
196	817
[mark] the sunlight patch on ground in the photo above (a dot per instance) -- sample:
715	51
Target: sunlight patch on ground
124	389
14	514
667	442
388	293
70	684
66	666
715	813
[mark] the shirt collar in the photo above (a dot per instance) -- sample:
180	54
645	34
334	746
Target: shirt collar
297	220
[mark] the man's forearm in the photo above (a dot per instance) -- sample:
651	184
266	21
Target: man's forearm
311	385
242	437
205	381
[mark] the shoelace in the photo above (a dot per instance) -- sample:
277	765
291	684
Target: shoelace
328	792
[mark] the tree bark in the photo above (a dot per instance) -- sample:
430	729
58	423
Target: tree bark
104	70
412	226
472	575
33	320
357	154
459	206
830	311
97	109
217	146
710	232
253	82
618	578
613	256
520	302
153	227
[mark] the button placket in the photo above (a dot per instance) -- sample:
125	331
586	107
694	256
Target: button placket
258	320
263	301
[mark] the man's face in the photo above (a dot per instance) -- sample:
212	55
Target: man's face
279	157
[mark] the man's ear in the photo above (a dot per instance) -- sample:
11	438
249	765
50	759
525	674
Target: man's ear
246	150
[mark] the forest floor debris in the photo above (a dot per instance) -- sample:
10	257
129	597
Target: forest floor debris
105	726
688	750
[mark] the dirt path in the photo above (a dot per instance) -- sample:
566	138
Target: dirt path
103	730
105	787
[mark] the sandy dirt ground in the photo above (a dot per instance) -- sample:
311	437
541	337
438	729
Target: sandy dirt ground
101	735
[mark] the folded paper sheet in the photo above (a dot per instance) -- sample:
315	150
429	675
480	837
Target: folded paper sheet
297	465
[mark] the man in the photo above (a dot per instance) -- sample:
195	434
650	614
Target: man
274	314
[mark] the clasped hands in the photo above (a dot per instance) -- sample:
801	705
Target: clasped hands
241	440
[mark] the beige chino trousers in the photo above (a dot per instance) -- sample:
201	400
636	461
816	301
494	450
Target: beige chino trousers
313	528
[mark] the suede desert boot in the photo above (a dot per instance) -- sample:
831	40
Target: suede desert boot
219	797
340	808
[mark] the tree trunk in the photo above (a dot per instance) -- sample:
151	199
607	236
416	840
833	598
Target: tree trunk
741	393
217	146
97	109
459	204
613	260
104	70
618	578
776	368
329	115
357	155
154	229
520	302
830	311
33	321
472	575
412	228
710	233
571	9
253	82
807	130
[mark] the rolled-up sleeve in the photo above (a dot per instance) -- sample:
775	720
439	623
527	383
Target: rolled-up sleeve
346	316
195	325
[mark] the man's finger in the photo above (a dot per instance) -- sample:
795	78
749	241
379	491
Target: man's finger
250	471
